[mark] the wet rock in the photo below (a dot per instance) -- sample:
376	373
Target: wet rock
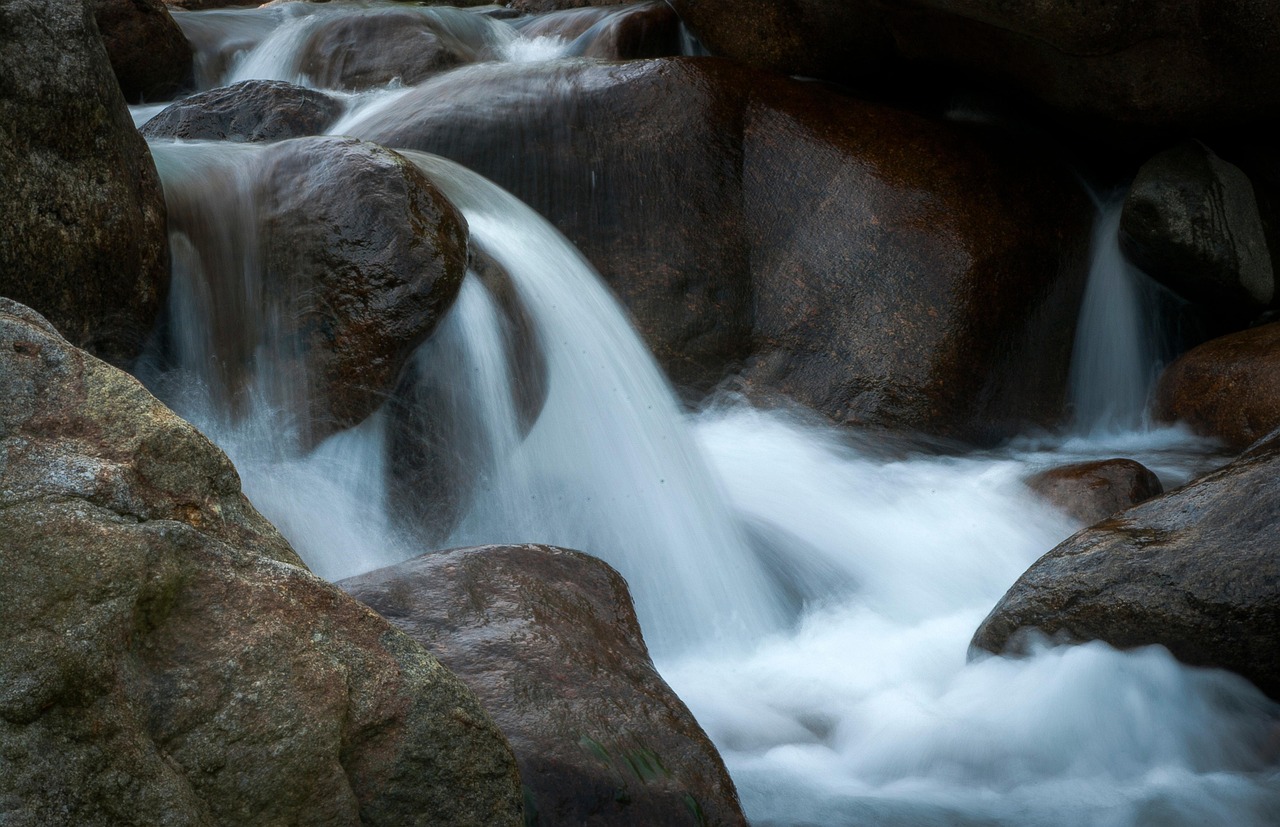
1093	491
362	51
253	110
1191	221
359	256
165	658
438	444
1228	388
201	5
82	215
151	57
548	639
879	266
630	32
1194	570
1152	64
540	6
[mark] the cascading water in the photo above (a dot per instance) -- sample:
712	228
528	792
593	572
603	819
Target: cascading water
1119	339
849	577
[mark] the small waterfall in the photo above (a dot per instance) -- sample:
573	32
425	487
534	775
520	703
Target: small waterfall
1119	339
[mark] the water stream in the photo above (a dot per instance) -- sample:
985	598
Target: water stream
809	592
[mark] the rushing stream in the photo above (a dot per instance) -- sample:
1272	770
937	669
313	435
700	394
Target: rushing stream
809	592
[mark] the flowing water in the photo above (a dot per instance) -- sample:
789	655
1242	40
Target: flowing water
810	592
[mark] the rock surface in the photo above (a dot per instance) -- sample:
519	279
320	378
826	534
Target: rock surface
1195	570
82	216
629	32
1191	221
150	55
164	656
877	265
548	639
361	51
359	256
252	110
1228	388
1093	491
1149	63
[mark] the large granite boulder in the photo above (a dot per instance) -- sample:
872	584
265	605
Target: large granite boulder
358	258
82	216
1192	222
252	110
165	658
548	639
1195	570
151	57
878	265
1093	491
1149	63
1228	388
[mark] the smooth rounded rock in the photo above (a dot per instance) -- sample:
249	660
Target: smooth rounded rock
151	57
1227	388
361	51
252	110
548	639
1093	491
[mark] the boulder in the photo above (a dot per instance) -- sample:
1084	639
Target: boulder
252	110
630	32
165	658
878	265
548	640
1191	221
361	51
358	257
1194	570
1228	388
1147	64
150	55
1093	491
82	215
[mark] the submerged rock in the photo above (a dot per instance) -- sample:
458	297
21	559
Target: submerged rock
165	658
1191	221
548	639
82	216
880	266
1093	491
1228	388
1194	570
1150	63
252	110
151	57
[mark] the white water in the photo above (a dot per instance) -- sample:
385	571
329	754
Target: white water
846	577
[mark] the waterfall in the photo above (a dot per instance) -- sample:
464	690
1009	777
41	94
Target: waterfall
1119	338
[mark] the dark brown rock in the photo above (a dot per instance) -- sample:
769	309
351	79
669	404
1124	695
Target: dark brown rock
165	658
1228	388
1195	570
1153	64
201	5
82	216
360	51
880	266
548	639
1191	221
1093	491
150	55
359	256
252	110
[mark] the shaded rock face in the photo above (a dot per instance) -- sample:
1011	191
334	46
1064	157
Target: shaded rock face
252	110
1191	221
1093	491
1194	570
631	32
356	52
359	256
164	656
150	55
1155	64
1228	388
879	266
438	445
82	215
548	639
